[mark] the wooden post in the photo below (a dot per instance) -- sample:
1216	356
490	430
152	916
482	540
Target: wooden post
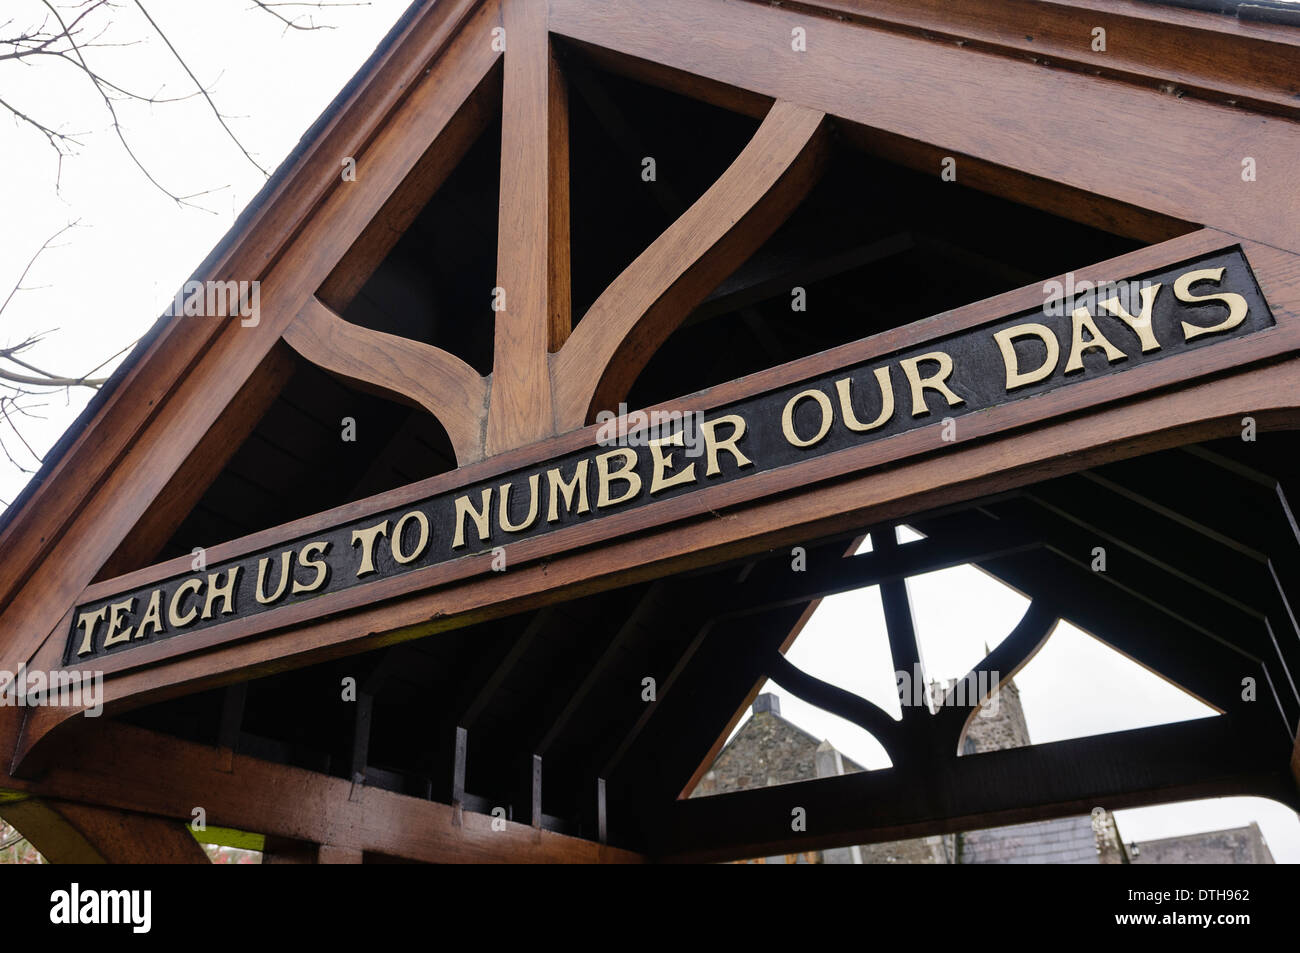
533	232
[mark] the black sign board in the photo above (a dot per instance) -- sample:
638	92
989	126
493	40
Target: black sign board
1078	334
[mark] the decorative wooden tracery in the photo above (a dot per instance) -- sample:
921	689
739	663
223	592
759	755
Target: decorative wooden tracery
545	380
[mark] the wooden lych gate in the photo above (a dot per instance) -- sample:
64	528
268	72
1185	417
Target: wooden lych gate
371	575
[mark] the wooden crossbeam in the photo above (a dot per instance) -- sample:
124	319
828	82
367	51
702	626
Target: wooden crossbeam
1204	758
772	584
738	45
116	766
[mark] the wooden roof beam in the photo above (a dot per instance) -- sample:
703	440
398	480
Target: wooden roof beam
1178	170
117	766
1209	757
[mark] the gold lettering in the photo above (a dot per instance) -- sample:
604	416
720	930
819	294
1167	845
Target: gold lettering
713	446
318	548
1141	325
283	585
883	381
626	473
787	418
224	592
1236	303
175	618
936	381
88	621
664	461
1083	321
1016	377
152	616
366	537
113	636
480	517
556	487
503	506
421	543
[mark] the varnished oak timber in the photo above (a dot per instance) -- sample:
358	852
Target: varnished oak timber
654	294
533	232
67	832
1277	273
119	767
892	79
218	445
410	371
124	489
1271	266
1238	62
925	90
1089	208
123	492
716	531
331	854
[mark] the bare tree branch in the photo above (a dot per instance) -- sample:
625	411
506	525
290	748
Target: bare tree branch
30	381
296	22
18	285
190	73
76	50
72	34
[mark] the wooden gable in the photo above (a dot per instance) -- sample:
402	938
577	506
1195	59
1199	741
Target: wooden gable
1139	147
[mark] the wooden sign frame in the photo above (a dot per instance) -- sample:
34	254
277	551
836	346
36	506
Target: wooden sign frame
434	541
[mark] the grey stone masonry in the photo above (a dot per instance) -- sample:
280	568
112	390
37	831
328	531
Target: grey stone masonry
1237	845
1067	840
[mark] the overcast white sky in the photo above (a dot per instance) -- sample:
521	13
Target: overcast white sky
133	247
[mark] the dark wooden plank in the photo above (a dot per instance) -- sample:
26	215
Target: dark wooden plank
117	768
1204	758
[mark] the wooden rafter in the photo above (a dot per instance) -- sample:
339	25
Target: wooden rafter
897	85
